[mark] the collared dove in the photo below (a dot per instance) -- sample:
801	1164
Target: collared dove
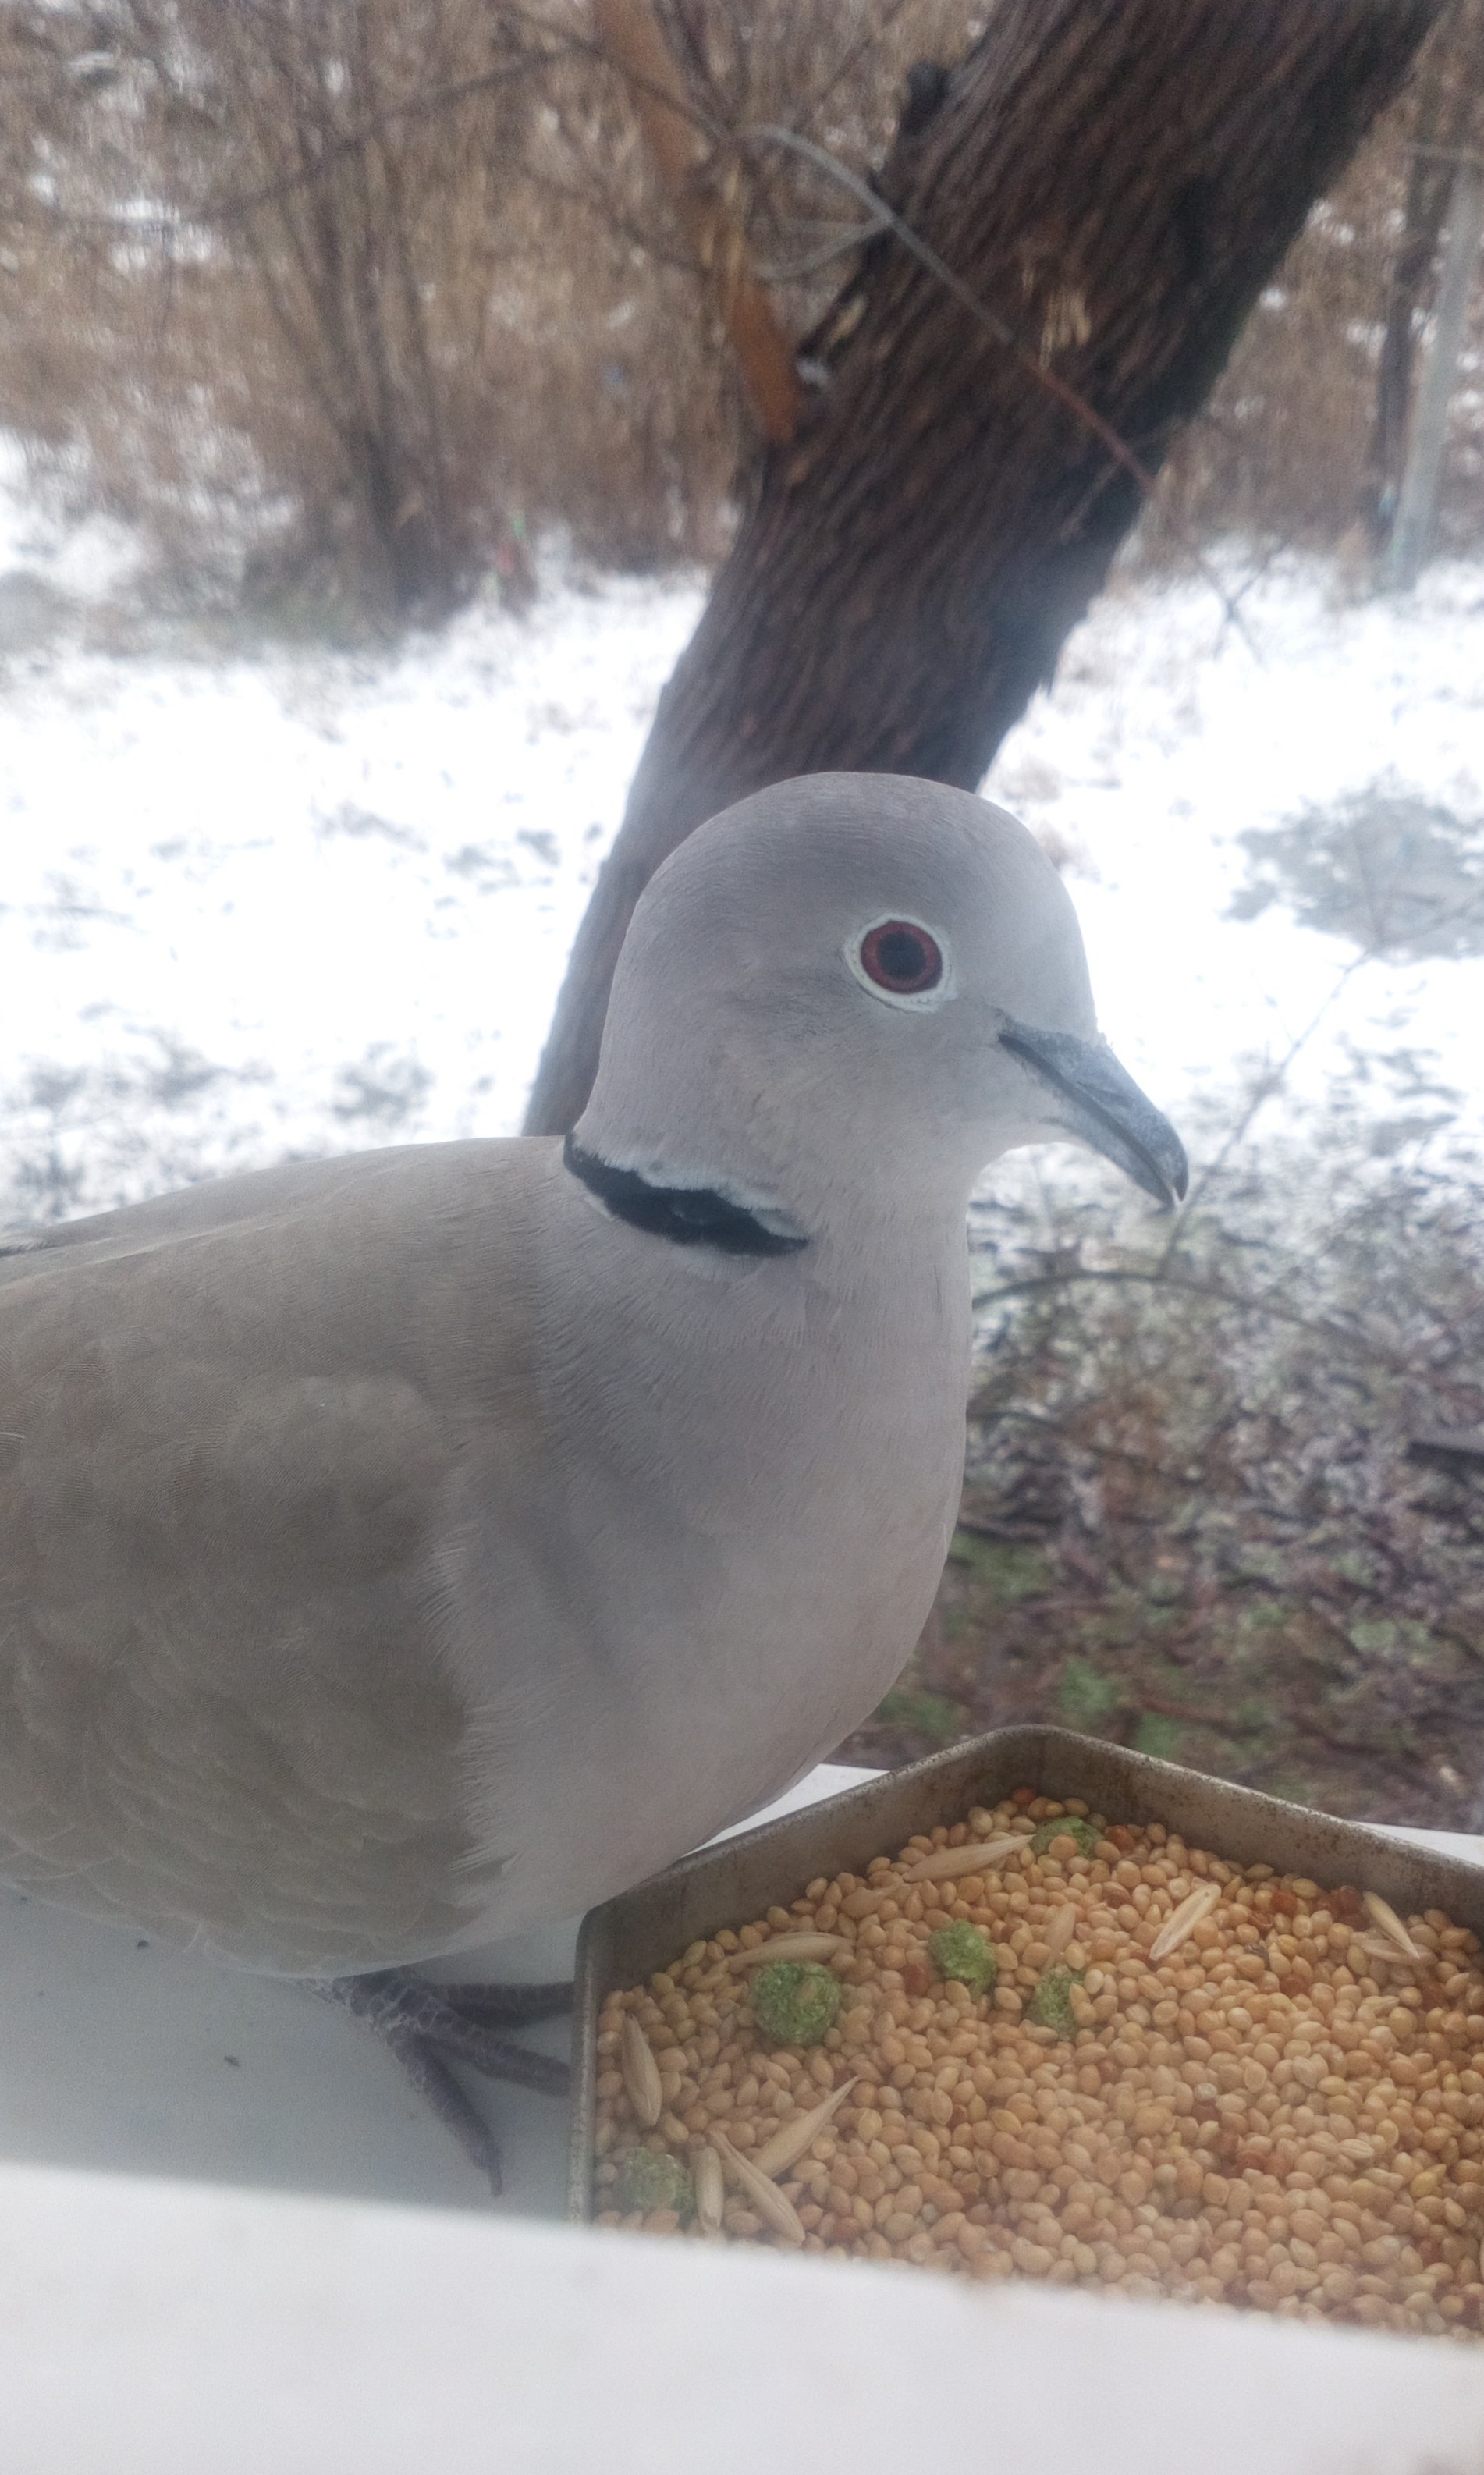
402	1550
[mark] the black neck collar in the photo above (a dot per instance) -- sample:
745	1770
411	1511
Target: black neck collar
690	1216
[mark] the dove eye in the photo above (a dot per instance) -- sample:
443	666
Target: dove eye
901	959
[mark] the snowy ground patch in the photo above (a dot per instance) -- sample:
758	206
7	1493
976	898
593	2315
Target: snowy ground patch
301	904
311	901
1169	736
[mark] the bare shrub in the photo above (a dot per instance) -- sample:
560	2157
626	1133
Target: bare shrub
1191	1522
282	257
348	298
1195	1518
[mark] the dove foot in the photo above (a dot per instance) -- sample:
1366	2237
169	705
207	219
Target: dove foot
424	2024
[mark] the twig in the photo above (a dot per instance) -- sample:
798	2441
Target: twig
239	205
1267	1083
877	25
1155	1276
1273	1080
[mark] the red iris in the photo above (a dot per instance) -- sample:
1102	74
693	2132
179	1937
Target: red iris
901	957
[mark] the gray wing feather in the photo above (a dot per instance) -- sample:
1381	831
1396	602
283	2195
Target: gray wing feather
228	1420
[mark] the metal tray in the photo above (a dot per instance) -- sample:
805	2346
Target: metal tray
730	1884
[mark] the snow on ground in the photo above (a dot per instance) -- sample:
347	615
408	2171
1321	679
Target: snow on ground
309	902
47	558
1169	734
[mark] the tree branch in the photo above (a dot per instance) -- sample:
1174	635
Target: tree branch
632	39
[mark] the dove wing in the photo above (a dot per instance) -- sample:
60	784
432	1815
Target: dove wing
226	1422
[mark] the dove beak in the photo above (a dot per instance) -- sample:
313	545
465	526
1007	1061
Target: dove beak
1102	1106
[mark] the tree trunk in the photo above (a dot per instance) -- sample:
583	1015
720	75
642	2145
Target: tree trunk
1411	282
1417	506
1448	89
1115	180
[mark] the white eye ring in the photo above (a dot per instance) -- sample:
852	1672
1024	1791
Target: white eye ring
861	950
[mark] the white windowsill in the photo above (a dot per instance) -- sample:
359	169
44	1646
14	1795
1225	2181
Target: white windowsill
159	2318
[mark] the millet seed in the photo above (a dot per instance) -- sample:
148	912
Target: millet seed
1284	2111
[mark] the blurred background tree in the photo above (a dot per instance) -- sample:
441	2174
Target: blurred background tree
345	301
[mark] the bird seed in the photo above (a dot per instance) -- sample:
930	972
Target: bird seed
1181	2078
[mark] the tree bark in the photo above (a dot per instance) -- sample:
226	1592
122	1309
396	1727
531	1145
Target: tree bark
1115	181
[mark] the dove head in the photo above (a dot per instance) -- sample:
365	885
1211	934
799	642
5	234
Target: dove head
855	989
